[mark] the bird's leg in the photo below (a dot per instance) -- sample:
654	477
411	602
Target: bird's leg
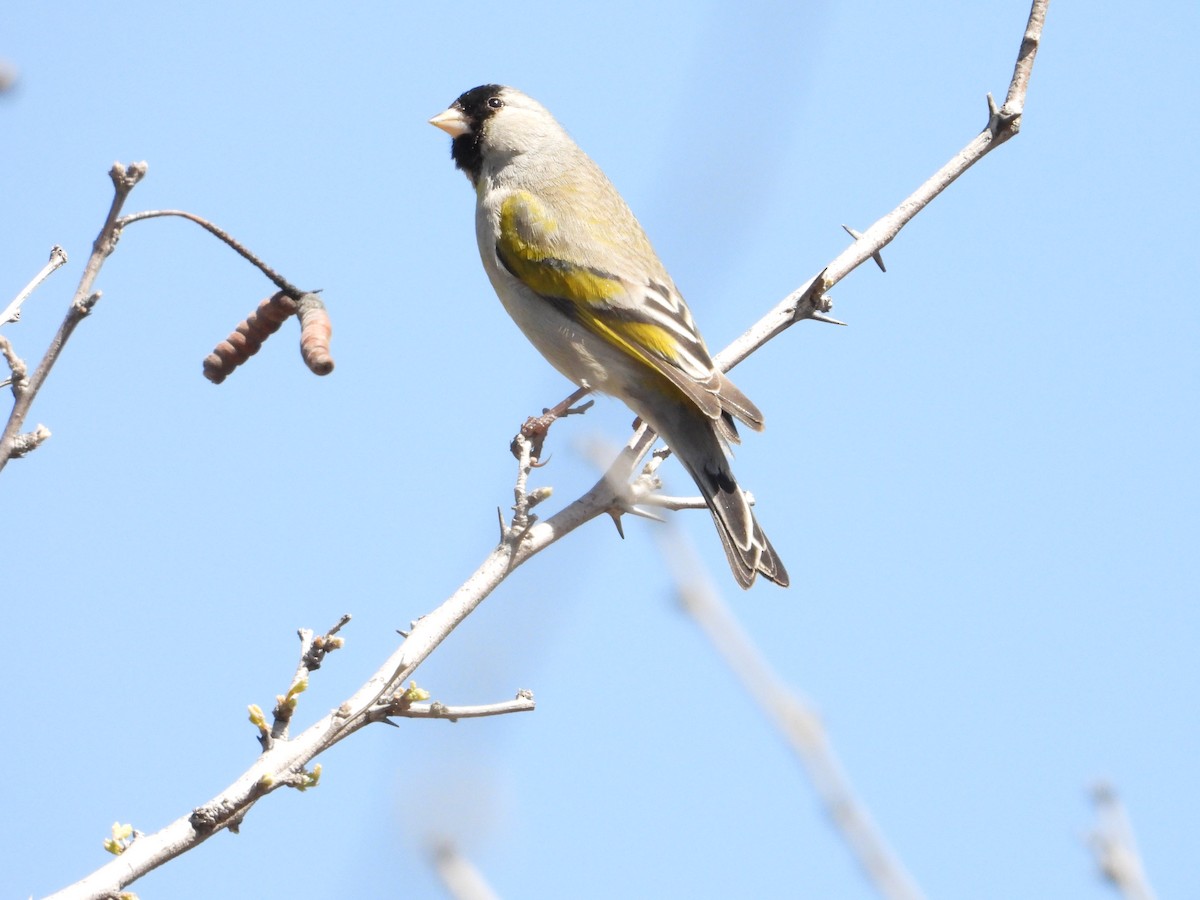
536	428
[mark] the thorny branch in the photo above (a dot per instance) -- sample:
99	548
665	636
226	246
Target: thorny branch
371	703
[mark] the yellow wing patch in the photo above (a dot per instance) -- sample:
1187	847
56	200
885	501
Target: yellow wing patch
526	247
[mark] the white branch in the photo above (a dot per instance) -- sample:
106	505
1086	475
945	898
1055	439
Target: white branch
523	702
12	312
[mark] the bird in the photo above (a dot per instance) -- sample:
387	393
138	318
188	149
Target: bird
575	270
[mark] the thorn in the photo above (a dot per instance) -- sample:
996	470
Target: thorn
616	517
503	527
404	634
644	514
877	256
388	721
993	109
821	317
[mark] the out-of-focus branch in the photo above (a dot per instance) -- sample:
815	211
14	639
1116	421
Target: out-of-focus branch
8	76
460	878
1116	851
795	719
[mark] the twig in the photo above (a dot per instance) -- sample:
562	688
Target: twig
12	312
313	651
315	328
523	702
1116	851
278	280
523	500
795	719
675	504
124	180
16	366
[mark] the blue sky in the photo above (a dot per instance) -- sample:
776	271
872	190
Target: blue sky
985	488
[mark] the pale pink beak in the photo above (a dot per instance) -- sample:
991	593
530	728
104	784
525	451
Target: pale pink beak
452	121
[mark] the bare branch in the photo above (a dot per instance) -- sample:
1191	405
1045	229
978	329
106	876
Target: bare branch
1116	851
12	312
795	719
313	651
1018	87
16	366
523	702
675	504
124	180
809	300
28	441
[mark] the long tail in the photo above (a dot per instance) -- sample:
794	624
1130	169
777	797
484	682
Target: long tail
760	556
746	546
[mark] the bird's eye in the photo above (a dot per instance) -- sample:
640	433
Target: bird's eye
495	102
